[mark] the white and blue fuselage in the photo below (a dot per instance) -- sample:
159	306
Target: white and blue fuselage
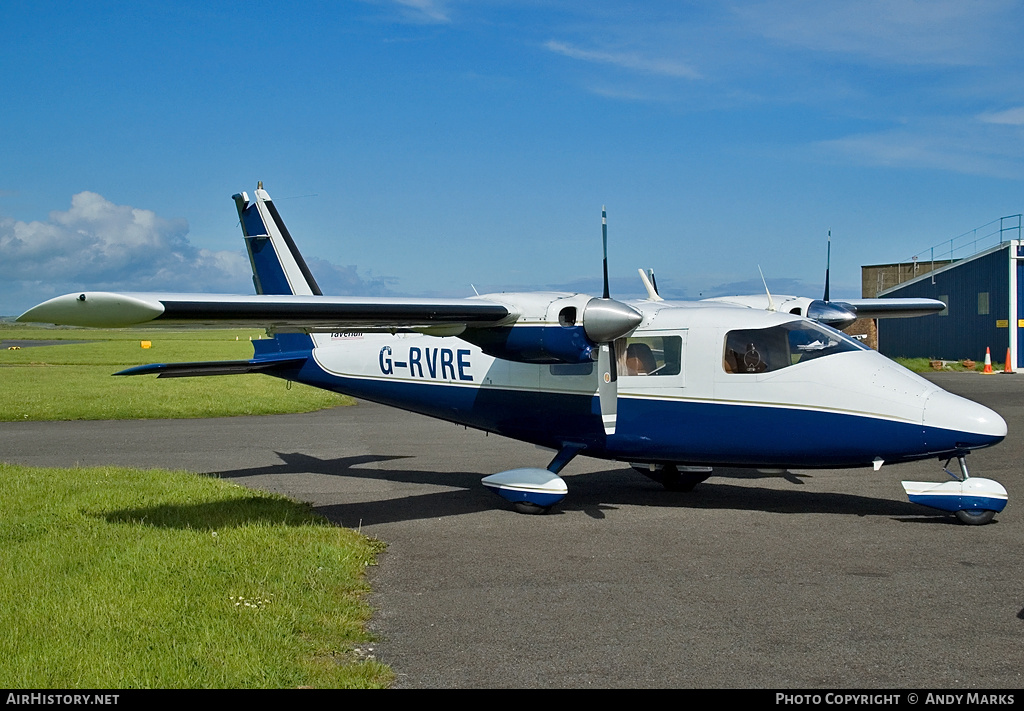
847	408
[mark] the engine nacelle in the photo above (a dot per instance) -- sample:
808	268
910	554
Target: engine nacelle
831	313
561	328
836	314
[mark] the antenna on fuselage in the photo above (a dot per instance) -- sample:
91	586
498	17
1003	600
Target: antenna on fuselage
771	304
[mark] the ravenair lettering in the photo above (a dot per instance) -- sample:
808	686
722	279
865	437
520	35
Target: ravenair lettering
427	363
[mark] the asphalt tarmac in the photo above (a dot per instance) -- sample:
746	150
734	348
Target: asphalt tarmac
817	578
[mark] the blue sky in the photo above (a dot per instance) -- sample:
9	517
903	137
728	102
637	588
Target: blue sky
420	146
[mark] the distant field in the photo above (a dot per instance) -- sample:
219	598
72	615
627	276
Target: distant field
73	381
115	578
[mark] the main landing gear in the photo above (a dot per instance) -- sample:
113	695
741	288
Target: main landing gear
674	477
974	501
534	491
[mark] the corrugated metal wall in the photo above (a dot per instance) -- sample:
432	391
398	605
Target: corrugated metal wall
964	332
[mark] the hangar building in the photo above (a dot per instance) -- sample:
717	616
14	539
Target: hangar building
983	292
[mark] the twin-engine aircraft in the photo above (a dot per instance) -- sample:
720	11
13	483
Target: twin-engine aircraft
674	388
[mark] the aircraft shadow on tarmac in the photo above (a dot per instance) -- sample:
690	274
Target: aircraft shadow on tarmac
592	493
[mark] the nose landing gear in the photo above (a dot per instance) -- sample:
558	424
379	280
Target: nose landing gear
974	500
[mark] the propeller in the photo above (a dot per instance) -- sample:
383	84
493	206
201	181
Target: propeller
604	244
604	320
828	263
831	313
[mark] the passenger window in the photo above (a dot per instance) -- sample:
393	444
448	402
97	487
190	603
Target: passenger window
649	355
571	368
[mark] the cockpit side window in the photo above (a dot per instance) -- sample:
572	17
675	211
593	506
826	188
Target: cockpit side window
649	355
767	349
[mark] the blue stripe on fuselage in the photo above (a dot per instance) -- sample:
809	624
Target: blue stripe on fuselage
687	431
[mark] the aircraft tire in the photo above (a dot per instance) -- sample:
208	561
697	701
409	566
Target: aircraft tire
525	507
675	480
974	517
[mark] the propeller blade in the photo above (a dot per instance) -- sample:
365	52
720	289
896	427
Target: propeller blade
828	262
608	386
604	239
604	320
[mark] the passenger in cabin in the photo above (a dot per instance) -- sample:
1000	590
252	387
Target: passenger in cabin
649	355
640	360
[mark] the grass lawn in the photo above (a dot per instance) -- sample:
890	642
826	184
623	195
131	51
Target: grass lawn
924	365
121	578
73	381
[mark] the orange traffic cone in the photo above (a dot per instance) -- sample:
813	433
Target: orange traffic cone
988	362
1008	368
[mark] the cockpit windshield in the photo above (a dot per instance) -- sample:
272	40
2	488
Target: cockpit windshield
766	349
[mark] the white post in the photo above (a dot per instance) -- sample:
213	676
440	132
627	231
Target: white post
1014	316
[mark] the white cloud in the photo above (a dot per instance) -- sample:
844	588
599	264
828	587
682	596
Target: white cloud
948	144
1010	117
938	32
102	246
626	60
346	280
428	11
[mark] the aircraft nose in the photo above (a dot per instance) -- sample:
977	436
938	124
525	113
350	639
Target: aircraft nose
968	424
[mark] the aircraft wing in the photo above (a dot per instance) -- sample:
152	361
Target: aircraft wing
286	311
892	307
838	313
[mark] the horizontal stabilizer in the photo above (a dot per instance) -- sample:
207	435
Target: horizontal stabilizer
217	367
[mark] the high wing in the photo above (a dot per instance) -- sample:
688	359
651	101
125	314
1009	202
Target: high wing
892	307
284	311
839	313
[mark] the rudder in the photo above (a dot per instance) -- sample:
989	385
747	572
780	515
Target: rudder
277	265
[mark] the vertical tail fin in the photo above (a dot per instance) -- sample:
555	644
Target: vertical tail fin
277	266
